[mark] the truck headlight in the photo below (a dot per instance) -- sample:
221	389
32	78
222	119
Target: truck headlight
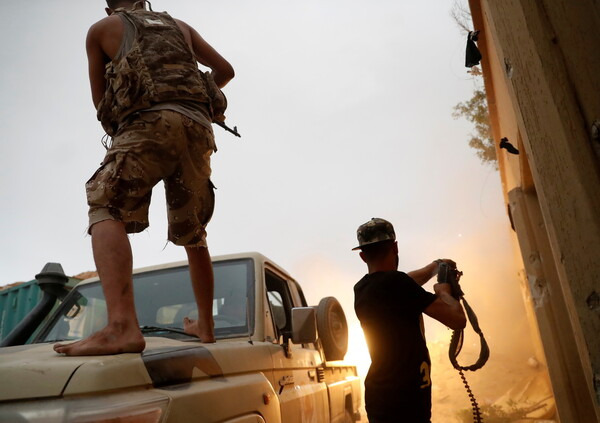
134	407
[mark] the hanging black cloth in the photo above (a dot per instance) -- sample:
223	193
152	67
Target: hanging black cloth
473	56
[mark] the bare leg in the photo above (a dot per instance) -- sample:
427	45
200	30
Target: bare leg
112	254
203	281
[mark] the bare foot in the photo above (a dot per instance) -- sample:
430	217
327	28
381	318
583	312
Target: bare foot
110	340
206	333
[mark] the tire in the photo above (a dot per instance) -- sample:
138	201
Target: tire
333	328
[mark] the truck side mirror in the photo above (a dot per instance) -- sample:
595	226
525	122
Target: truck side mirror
304	325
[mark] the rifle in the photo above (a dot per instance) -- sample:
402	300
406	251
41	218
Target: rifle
234	131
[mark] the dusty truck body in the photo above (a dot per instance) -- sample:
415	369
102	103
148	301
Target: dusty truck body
267	364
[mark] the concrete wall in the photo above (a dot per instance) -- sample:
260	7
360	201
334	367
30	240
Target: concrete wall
542	75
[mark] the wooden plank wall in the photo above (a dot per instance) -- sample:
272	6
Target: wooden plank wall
551	59
573	400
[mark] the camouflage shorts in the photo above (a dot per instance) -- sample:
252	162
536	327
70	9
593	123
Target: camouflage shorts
154	146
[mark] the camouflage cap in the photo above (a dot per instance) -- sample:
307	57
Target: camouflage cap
375	230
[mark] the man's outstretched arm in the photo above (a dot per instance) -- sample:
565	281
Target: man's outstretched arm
422	275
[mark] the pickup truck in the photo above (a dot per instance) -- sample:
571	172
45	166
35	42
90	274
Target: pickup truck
275	360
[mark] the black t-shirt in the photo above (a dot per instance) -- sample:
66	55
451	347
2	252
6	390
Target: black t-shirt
398	385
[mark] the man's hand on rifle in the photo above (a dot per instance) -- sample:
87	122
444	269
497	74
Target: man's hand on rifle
449	262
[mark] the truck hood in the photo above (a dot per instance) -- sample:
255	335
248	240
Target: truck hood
36	371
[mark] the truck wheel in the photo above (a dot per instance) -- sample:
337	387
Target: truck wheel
333	328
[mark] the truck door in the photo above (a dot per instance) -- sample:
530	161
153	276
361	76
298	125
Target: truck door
302	397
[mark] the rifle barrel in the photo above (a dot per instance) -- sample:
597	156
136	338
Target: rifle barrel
228	129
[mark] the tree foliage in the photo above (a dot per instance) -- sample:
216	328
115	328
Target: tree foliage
461	15
476	111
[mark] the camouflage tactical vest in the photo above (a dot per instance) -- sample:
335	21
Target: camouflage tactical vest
159	67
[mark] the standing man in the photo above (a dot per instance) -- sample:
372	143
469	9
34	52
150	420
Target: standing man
153	100
389	304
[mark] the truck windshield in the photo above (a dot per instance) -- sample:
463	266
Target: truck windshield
162	299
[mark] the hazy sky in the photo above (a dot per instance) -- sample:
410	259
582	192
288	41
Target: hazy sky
345	110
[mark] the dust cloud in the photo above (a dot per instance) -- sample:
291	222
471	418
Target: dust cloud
514	383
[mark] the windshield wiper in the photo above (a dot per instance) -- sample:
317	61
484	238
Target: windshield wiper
152	329
144	329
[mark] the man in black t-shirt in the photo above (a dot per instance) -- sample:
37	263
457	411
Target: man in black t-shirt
389	305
